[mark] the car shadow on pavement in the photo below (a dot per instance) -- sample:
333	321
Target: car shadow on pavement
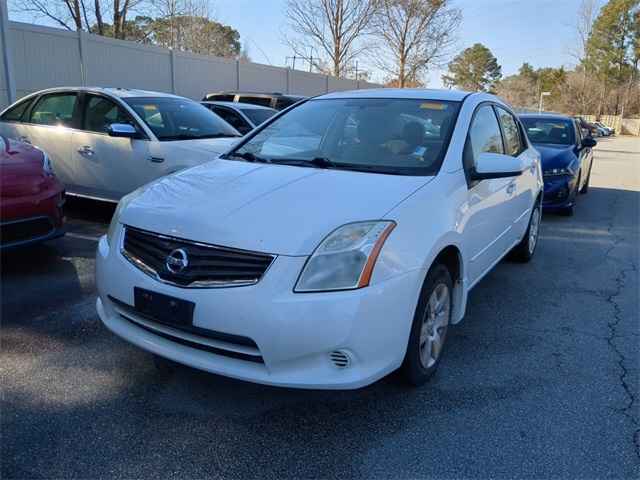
84	403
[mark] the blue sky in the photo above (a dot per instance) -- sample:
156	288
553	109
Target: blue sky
538	31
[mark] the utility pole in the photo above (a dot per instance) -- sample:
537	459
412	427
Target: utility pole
293	64
308	59
542	95
7	58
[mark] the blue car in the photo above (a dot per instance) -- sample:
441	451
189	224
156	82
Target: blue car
567	158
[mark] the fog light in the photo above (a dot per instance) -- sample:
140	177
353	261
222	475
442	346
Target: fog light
340	359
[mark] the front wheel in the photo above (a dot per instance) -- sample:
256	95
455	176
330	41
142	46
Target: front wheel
429	328
523	252
585	187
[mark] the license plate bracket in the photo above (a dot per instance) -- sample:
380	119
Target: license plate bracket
163	308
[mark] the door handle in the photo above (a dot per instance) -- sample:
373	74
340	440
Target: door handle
511	188
156	159
86	150
24	139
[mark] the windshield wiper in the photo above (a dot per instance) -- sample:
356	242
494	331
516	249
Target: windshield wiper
220	135
318	162
247	156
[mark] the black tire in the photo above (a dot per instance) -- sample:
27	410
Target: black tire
568	211
522	252
413	369
585	188
164	365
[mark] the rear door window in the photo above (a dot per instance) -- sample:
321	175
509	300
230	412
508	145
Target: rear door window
232	118
55	109
100	113
264	101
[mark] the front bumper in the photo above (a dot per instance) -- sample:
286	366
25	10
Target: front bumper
559	191
24	221
295	334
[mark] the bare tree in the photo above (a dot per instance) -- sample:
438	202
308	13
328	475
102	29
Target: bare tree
76	15
414	35
587	13
65	13
333	28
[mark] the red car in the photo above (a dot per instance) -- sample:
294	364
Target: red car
31	197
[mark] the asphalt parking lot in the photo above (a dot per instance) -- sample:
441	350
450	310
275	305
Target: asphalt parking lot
540	379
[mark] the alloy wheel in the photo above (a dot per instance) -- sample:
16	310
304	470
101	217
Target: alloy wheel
434	325
534	230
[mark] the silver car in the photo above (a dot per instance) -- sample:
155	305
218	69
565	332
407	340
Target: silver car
244	117
106	142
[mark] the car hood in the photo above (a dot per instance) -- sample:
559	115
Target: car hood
275	209
555	156
21	170
215	146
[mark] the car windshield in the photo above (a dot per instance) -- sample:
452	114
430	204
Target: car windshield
258	115
392	136
556	131
180	119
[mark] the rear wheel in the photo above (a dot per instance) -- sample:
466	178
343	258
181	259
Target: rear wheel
429	328
523	252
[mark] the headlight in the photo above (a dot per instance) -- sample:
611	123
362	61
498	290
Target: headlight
345	259
115	220
46	163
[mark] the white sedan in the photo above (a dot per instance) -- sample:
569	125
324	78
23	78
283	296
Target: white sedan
328	262
106	142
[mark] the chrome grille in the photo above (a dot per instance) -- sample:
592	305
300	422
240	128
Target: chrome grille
207	266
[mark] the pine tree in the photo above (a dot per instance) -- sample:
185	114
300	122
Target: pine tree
475	69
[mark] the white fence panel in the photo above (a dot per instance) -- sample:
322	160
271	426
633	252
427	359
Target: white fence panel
197	75
43	58
340	84
262	78
303	83
117	63
363	84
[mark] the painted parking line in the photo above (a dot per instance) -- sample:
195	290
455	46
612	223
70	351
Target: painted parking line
82	236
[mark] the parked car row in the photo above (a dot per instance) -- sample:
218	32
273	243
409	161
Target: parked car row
596	129
567	158
332	244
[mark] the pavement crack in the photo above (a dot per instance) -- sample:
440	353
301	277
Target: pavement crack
613	324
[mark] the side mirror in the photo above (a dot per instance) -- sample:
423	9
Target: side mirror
496	165
123	130
589	142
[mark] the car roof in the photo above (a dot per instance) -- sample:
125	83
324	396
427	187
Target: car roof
411	93
261	94
112	91
548	116
237	105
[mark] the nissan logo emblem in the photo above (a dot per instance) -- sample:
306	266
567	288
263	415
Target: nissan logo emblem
177	260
